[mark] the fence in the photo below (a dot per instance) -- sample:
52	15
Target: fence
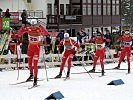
52	62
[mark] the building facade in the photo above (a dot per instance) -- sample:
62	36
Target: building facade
71	15
91	15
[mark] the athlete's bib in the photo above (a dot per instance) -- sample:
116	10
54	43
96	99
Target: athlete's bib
34	39
100	46
127	43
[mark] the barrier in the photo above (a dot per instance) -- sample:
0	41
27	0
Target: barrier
52	63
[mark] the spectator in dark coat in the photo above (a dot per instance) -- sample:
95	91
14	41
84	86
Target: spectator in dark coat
61	35
7	13
107	36
24	16
48	40
0	12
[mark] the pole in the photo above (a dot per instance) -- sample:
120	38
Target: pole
83	66
45	66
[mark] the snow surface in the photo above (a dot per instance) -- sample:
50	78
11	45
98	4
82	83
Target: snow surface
79	87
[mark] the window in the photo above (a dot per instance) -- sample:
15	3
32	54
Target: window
84	1
61	9
104	1
49	7
104	9
67	9
89	1
108	10
55	9
108	1
117	10
99	9
89	9
94	1
94	9
117	1
113	10
99	1
113	1
84	9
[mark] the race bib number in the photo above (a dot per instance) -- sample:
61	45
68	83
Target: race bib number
99	46
127	43
33	39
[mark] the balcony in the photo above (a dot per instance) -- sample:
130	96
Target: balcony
64	19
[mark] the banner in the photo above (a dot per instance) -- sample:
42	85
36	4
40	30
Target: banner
0	23
6	23
14	18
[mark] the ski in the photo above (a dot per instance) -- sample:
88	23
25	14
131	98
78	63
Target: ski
25	82
34	86
56	78
21	82
115	69
85	72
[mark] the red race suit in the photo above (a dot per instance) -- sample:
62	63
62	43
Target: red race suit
68	53
34	35
127	42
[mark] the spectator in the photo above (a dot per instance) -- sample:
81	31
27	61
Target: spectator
48	40
107	36
56	43
24	17
61	35
0	12
80	35
7	13
115	36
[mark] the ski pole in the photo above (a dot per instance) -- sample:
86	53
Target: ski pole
45	66
17	61
83	66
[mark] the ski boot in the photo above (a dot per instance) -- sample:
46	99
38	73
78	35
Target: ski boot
102	72
30	77
118	67
59	76
128	71
68	75
35	81
93	70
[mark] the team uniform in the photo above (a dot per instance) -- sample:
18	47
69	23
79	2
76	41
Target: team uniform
34	35
69	52
127	42
100	51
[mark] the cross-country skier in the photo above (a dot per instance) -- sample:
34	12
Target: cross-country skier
34	34
100	50
70	51
127	42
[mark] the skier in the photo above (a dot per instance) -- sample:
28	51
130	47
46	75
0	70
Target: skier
34	34
127	42
100	50
70	51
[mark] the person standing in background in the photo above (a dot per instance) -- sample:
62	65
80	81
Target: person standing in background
7	13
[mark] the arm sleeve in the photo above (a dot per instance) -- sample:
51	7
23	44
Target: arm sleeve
120	39
75	44
44	31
